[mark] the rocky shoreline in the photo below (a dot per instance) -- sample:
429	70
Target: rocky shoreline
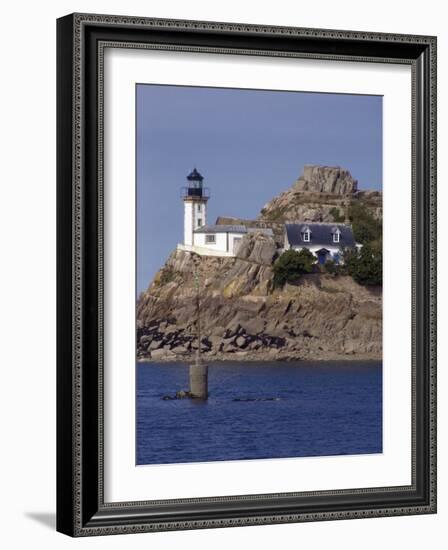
243	358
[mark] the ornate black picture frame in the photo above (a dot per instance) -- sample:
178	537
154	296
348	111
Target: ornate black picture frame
81	509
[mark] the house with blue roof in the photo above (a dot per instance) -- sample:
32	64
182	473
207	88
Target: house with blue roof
326	241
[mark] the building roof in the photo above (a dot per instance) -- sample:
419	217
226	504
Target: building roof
264	230
194	176
321	234
221	229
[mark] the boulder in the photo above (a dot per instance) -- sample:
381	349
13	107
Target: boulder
258	248
162	354
241	342
326	179
155	344
179	350
254	325
215	342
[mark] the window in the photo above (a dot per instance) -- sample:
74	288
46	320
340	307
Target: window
336	236
210	239
306	235
199	207
199	222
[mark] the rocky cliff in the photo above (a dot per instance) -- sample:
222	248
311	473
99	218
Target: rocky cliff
326	179
320	194
242	317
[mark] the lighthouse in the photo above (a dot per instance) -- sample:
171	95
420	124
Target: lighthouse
195	198
205	239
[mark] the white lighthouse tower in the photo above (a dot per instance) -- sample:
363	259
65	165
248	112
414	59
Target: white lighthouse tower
195	198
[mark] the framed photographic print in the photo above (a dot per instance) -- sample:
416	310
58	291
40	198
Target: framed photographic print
246	274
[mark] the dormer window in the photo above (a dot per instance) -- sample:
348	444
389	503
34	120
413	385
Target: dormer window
306	235
336	235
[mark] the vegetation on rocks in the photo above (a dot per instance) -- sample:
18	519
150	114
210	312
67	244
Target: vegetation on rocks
366	228
366	266
291	265
332	268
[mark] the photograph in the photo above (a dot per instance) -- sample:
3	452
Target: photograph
246	273
259	299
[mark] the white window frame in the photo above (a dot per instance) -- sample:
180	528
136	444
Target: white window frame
336	236
210	238
307	235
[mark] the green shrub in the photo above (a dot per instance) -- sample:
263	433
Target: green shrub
366	266
291	265
366	228
331	267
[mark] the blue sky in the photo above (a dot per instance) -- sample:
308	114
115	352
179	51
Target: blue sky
248	144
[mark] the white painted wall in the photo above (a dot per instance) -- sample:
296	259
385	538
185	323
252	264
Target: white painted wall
200	214
219	244
188	222
224	242
204	251
27	409
195	216
334	251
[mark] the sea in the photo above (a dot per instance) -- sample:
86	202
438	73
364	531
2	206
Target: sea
259	410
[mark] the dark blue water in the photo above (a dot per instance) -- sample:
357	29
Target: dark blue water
323	408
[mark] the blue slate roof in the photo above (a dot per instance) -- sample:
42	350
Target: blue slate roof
321	234
221	229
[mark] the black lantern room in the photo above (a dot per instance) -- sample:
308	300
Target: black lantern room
195	190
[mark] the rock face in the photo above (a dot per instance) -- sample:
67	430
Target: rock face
326	179
321	194
242	317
